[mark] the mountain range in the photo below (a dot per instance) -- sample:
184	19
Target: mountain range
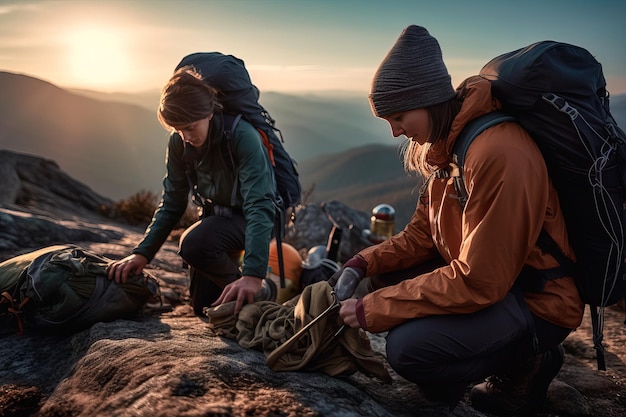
115	145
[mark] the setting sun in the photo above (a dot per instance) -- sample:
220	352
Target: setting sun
97	57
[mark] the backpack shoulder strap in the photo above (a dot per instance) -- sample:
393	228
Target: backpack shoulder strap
473	129
234	121
544	241
192	177
233	198
465	139
190	172
228	134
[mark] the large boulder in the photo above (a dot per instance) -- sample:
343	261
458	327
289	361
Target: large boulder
39	184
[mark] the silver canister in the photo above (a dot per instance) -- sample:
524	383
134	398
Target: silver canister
383	223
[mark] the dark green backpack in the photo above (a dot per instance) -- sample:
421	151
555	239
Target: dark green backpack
65	288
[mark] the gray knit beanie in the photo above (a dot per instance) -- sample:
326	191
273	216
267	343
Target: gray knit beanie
412	75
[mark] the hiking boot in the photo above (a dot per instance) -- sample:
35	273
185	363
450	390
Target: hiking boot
449	394
521	390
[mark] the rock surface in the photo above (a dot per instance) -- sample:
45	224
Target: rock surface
167	362
31	181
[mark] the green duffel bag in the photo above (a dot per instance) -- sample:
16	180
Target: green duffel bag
65	288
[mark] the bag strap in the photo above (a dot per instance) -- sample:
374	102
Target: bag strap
465	139
192	178
228	134
190	172
279	221
536	278
15	306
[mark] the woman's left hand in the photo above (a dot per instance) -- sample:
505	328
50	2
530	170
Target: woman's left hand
347	312
242	290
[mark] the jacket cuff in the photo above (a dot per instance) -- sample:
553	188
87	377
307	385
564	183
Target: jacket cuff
357	262
360	313
144	253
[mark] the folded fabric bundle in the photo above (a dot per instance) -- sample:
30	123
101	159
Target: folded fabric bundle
266	326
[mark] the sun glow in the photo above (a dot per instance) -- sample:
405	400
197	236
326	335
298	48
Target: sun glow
97	57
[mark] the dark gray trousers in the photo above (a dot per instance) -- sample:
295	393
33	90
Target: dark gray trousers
444	354
211	248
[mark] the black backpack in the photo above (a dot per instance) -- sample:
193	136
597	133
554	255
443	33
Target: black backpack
557	92
229	76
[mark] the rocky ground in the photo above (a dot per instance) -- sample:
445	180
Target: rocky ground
167	362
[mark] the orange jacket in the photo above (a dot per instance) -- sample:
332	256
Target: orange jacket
486	245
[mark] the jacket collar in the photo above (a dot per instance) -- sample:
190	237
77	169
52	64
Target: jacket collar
475	94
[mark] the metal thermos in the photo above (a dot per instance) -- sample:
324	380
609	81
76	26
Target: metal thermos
383	223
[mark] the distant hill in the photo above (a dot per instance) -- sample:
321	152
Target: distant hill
115	145
316	125
122	130
343	152
115	148
362	178
618	110
312	125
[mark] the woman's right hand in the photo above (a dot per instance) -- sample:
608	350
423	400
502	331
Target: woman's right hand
241	290
119	270
347	312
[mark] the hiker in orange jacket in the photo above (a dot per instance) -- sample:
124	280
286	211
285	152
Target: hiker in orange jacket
452	288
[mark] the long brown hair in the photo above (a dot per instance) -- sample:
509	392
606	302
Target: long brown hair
186	98
440	117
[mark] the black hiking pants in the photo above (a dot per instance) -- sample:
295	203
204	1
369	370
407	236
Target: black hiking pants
211	247
444	354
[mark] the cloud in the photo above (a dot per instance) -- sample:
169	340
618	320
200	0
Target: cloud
18	7
283	68
291	78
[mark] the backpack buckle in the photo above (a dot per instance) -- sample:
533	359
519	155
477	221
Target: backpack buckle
442	173
561	105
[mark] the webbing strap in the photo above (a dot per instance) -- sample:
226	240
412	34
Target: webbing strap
597	323
229	135
15	310
280	217
463	142
280	229
566	265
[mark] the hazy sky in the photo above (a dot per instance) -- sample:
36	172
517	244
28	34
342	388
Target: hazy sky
288	46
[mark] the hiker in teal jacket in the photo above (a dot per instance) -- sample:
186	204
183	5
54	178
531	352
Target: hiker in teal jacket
235	186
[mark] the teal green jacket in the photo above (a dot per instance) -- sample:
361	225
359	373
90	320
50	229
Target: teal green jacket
252	180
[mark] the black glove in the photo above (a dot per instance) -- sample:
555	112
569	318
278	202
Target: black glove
347	281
